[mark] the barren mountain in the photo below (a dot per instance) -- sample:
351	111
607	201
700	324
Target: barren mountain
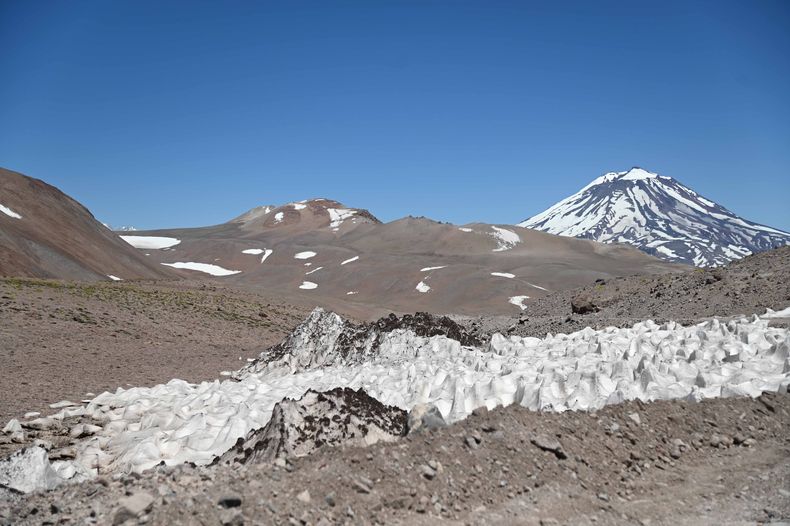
46	234
321	252
658	215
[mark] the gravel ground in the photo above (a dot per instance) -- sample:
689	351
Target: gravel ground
61	340
724	461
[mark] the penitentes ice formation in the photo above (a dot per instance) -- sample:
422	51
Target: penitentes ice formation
181	422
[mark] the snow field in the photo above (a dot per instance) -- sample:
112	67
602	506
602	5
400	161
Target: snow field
207	268
181	422
151	242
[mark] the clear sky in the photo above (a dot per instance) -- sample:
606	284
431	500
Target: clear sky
168	113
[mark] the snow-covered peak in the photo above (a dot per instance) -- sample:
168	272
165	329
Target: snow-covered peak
658	215
634	174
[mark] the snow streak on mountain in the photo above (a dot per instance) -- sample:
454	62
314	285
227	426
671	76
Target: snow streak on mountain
658	215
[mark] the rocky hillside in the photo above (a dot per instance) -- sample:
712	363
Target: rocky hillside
46	234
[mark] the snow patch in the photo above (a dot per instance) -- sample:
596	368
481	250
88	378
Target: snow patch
308	285
10	213
349	260
151	242
182	422
504	275
518	301
298	206
114	278
214	270
278	217
428	269
268	252
314	270
337	216
506	239
253	251
422	287
307	254
770	313
352	292
464	229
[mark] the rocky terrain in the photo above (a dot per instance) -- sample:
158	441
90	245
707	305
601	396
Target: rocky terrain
724	461
61	340
744	287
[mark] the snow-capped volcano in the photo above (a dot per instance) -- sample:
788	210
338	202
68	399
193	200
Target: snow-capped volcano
660	216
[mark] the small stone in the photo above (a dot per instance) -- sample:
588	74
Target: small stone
548	443
480	411
423	417
330	499
132	506
234	518
304	497
428	472
471	442
230	501
361	487
635	418
674	452
603	496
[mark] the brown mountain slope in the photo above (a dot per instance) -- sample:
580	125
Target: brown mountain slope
317	252
46	234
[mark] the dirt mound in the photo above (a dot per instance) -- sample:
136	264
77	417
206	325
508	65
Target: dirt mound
340	417
47	234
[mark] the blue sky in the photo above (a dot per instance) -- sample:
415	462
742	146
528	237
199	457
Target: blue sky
164	114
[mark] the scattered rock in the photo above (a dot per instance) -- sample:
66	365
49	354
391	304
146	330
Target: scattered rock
304	497
424	417
330	499
548	443
583	305
471	442
230	501
132	506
